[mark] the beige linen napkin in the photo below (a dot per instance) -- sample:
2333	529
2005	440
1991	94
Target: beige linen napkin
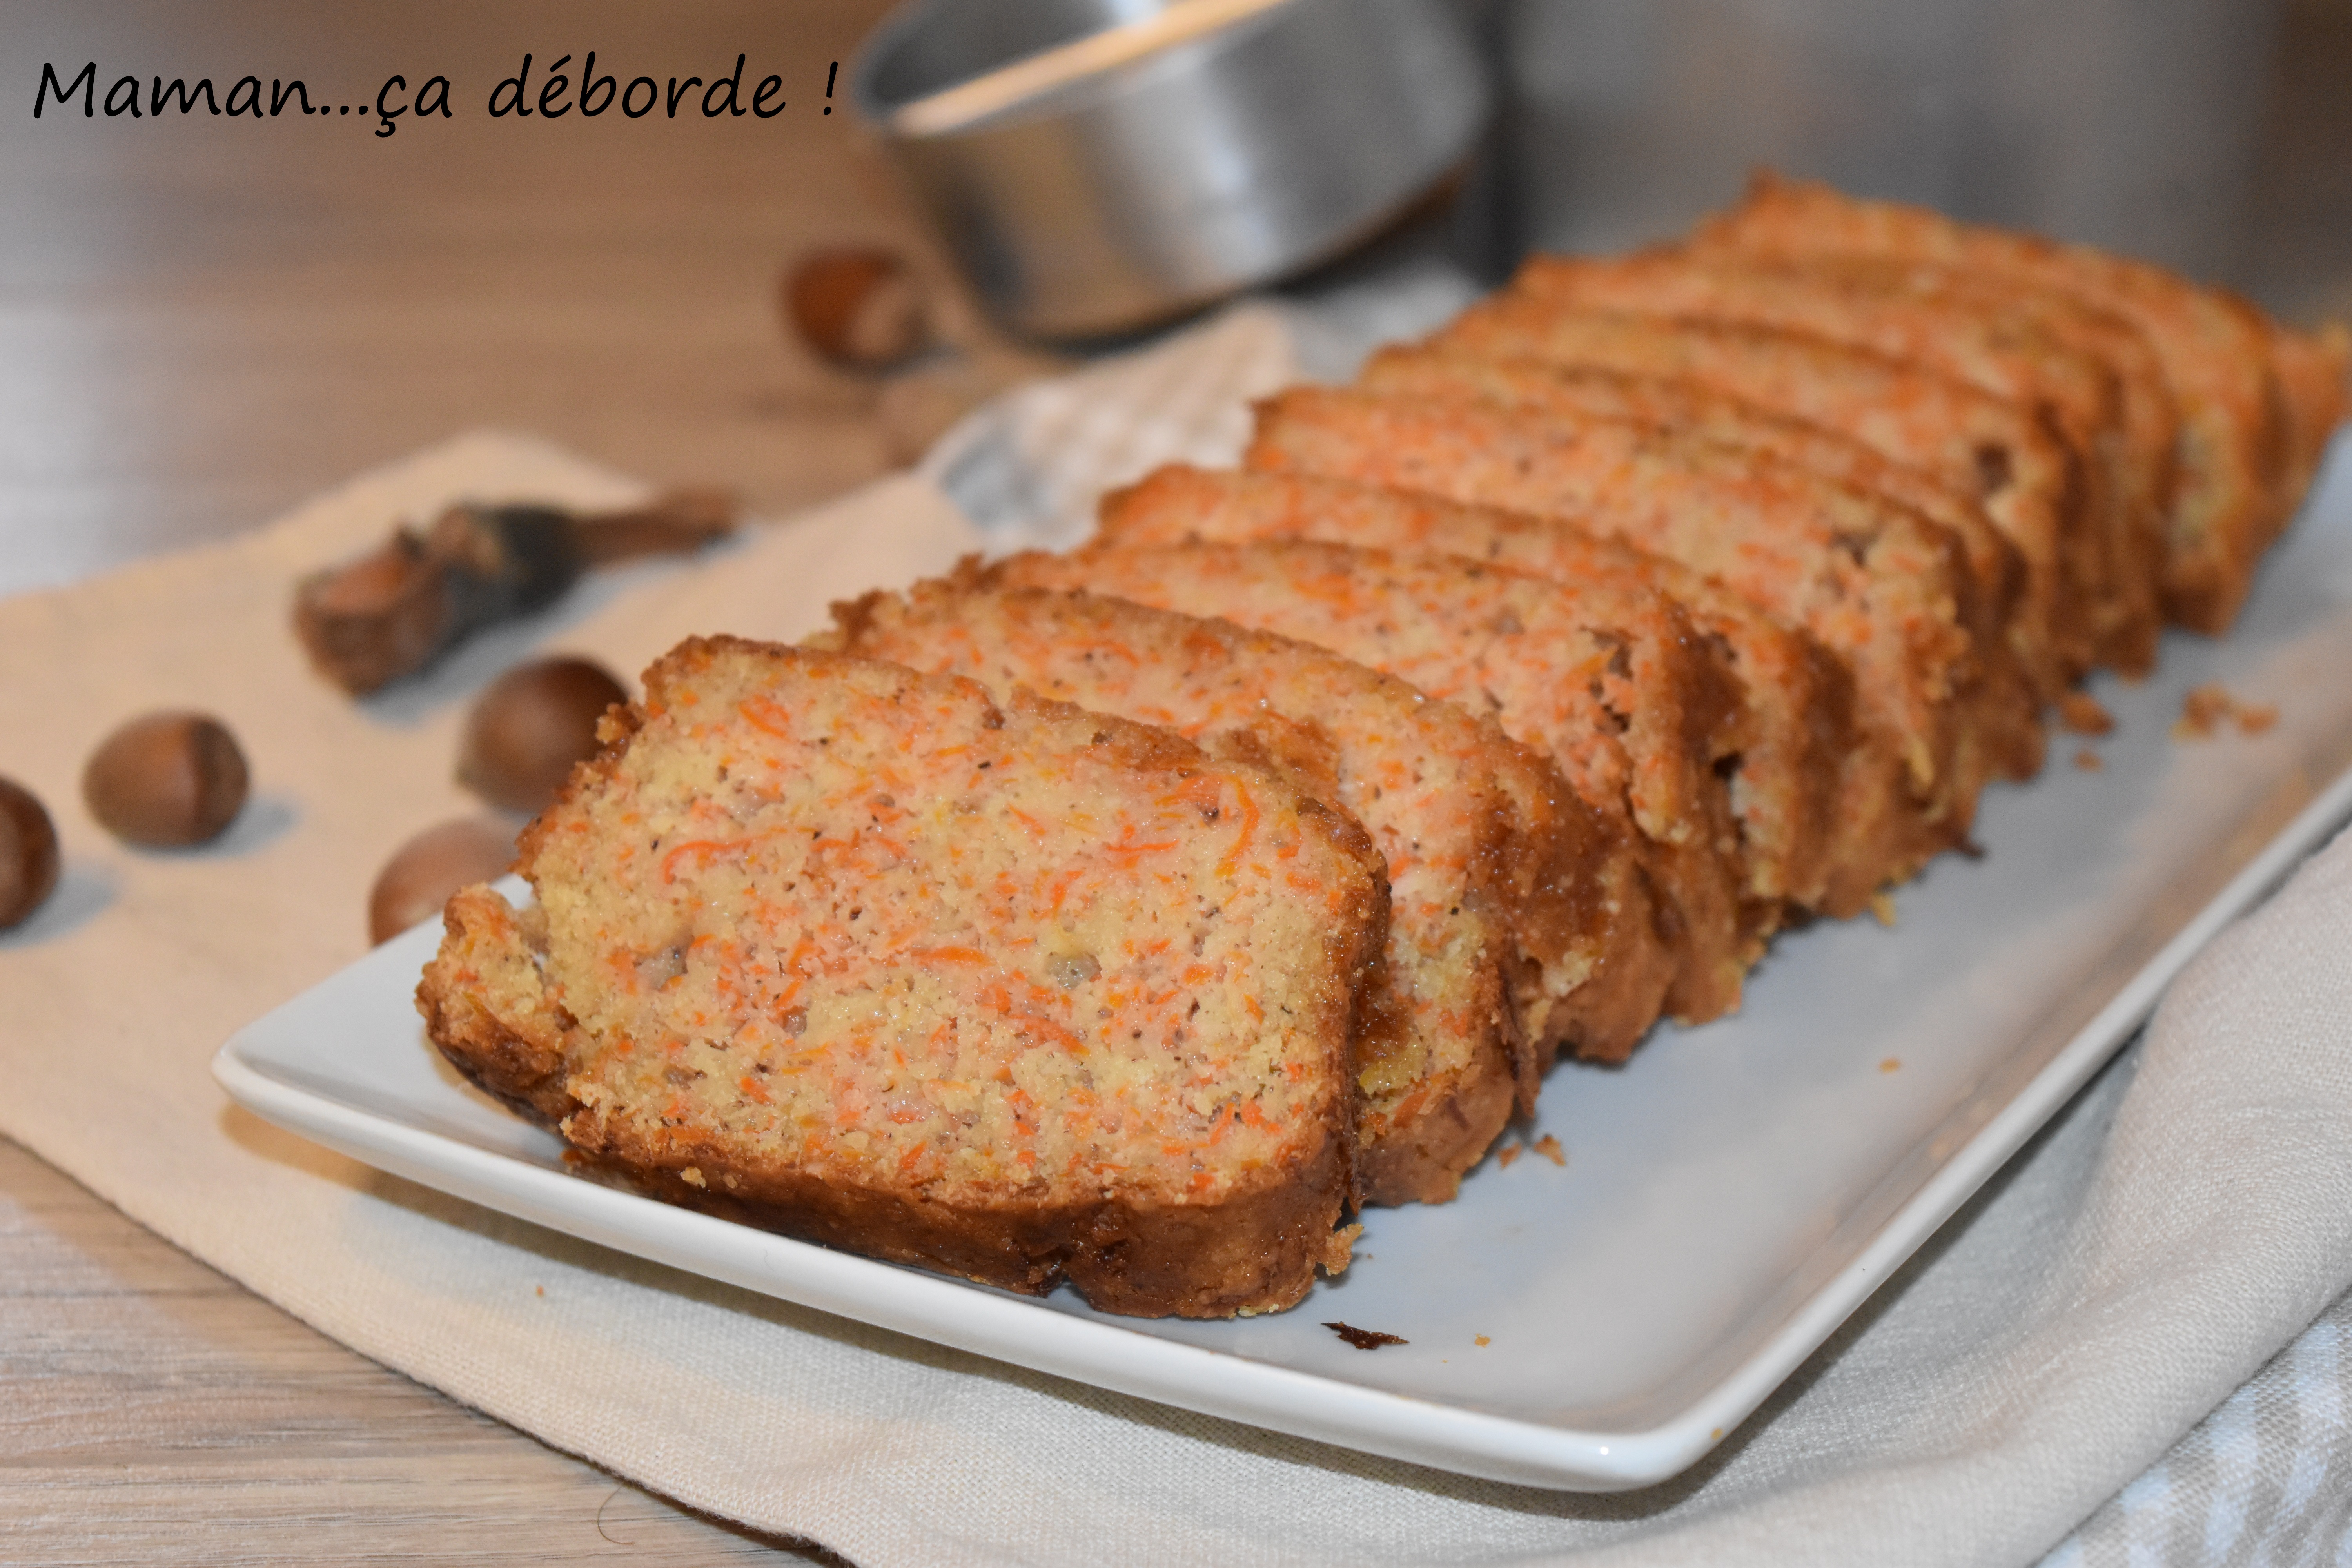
2186	1216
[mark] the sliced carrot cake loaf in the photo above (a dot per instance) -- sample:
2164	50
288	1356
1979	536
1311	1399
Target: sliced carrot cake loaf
1013	991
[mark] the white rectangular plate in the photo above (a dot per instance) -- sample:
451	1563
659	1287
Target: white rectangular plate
1727	1199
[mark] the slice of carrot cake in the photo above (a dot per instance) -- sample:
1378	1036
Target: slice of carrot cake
1015	992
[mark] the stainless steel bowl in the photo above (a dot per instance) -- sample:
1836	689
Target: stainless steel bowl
1098	165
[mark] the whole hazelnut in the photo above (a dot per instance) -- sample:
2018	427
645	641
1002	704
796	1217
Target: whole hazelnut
422	873
29	853
166	780
860	308
528	727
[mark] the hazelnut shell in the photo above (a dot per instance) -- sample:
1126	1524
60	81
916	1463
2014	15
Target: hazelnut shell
530	726
422	873
29	853
166	780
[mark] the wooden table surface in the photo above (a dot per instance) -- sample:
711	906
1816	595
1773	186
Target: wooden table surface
202	322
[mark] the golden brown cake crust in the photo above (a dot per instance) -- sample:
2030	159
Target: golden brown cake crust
1258	1251
653	971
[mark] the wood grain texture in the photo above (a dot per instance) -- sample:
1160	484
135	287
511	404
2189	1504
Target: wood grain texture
152	1410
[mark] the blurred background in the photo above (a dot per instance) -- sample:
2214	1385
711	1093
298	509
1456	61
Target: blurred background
2181	130
201	321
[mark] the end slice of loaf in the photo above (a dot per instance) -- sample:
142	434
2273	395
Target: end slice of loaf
1465	1011
1017	992
1614	685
